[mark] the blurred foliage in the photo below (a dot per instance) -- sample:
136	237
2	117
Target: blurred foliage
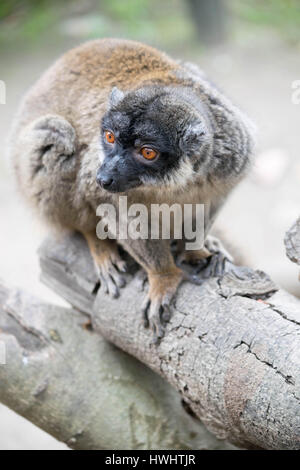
280	15
166	23
153	21
25	19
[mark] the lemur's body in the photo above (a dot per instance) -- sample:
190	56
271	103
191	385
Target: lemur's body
57	151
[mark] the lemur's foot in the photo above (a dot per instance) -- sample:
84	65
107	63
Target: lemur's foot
219	261
213	260
192	257
215	265
214	246
156	306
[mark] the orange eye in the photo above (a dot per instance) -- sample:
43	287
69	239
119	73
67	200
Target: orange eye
110	137
148	153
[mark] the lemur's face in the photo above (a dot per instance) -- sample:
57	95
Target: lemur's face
150	137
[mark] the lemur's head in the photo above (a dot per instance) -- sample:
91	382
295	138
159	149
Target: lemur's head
153	136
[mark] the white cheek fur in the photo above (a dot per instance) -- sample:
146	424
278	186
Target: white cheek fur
182	175
100	152
101	155
176	178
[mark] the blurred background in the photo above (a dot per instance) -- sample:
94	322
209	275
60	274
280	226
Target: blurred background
250	48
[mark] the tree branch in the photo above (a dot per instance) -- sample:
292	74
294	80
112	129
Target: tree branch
69	381
292	243
232	347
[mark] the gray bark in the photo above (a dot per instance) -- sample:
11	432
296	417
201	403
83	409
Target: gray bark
232	347
292	242
69	381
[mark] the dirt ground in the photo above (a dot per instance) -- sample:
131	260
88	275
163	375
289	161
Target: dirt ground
258	76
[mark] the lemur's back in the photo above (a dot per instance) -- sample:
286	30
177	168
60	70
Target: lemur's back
77	85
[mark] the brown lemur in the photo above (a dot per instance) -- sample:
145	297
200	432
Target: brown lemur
115	117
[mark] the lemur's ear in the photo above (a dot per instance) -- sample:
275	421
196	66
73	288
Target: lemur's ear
116	96
194	136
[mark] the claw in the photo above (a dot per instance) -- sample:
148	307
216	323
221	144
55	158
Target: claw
109	285
156	315
110	277
145	307
141	278
217	266
152	315
122	266
156	306
166	314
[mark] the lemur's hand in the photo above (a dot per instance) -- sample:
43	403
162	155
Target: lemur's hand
156	306
108	263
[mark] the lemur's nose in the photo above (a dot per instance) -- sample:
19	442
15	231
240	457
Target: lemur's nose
105	181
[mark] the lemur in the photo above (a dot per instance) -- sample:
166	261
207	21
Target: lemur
116	117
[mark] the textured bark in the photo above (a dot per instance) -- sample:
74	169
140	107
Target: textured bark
69	381
232	347
292	242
